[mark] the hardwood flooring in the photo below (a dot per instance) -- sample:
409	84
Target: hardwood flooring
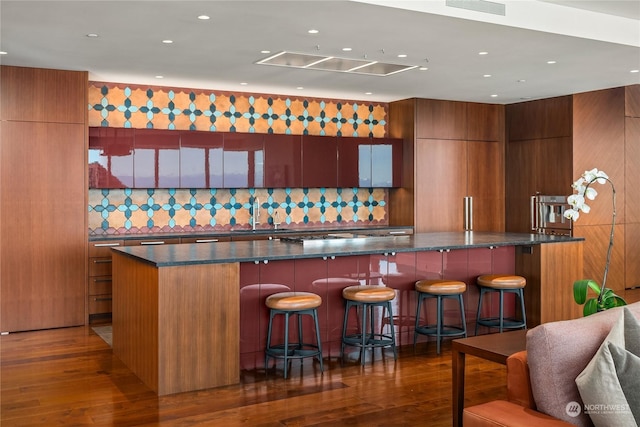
71	377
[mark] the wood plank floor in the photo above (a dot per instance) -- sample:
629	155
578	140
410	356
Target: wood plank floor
71	377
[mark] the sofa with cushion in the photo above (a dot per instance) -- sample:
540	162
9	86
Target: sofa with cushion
582	372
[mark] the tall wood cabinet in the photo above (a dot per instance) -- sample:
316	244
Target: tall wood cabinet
43	228
551	142
453	165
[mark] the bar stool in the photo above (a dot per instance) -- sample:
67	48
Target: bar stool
290	303
366	298
439	289
501	283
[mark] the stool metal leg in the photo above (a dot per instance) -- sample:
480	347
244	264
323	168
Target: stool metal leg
464	320
438	322
286	343
418	312
393	331
501	310
479	309
364	333
524	314
315	319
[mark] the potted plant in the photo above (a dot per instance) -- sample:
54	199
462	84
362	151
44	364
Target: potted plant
605	297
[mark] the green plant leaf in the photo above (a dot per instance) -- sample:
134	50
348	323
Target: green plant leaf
581	288
590	307
580	291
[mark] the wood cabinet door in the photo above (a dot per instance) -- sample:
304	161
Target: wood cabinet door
485	185
441	185
441	119
319	161
282	161
44	250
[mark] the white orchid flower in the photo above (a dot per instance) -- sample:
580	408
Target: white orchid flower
591	193
583	191
572	214
576	200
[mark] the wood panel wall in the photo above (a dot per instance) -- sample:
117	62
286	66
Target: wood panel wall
43	227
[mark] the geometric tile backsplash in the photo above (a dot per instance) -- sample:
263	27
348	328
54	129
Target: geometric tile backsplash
132	211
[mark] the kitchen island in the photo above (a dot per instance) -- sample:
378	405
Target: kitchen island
191	316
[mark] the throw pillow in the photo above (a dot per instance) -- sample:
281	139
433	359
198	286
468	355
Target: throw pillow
599	385
627	367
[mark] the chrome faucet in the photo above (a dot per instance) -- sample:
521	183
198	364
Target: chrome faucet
276	220
255	213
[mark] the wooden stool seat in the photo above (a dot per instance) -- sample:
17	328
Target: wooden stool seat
370	294
439	289
502	281
293	301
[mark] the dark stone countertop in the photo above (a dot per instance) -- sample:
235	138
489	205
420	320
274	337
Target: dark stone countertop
239	231
224	252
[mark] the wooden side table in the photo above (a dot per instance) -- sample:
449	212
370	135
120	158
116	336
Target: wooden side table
495	347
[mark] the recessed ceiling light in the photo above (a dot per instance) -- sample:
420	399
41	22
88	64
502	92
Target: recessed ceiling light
483	53
243	83
265	51
346	49
521	81
299	88
402	55
2	52
423	68
167	41
313	31
634	71
368	93
159	77
494	95
203	17
551	62
486	75
92	35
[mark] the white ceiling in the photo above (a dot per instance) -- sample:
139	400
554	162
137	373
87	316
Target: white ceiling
595	43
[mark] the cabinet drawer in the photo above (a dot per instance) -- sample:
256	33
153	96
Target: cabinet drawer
204	239
153	241
100	267
103	249
99	285
100	304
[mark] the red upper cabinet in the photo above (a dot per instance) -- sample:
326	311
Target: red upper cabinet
243	160
351	165
201	159
110	157
282	161
369	162
156	160
319	161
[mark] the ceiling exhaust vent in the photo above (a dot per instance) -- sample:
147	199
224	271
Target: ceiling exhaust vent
333	63
479	6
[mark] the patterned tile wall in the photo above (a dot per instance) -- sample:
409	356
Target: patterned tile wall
131	211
